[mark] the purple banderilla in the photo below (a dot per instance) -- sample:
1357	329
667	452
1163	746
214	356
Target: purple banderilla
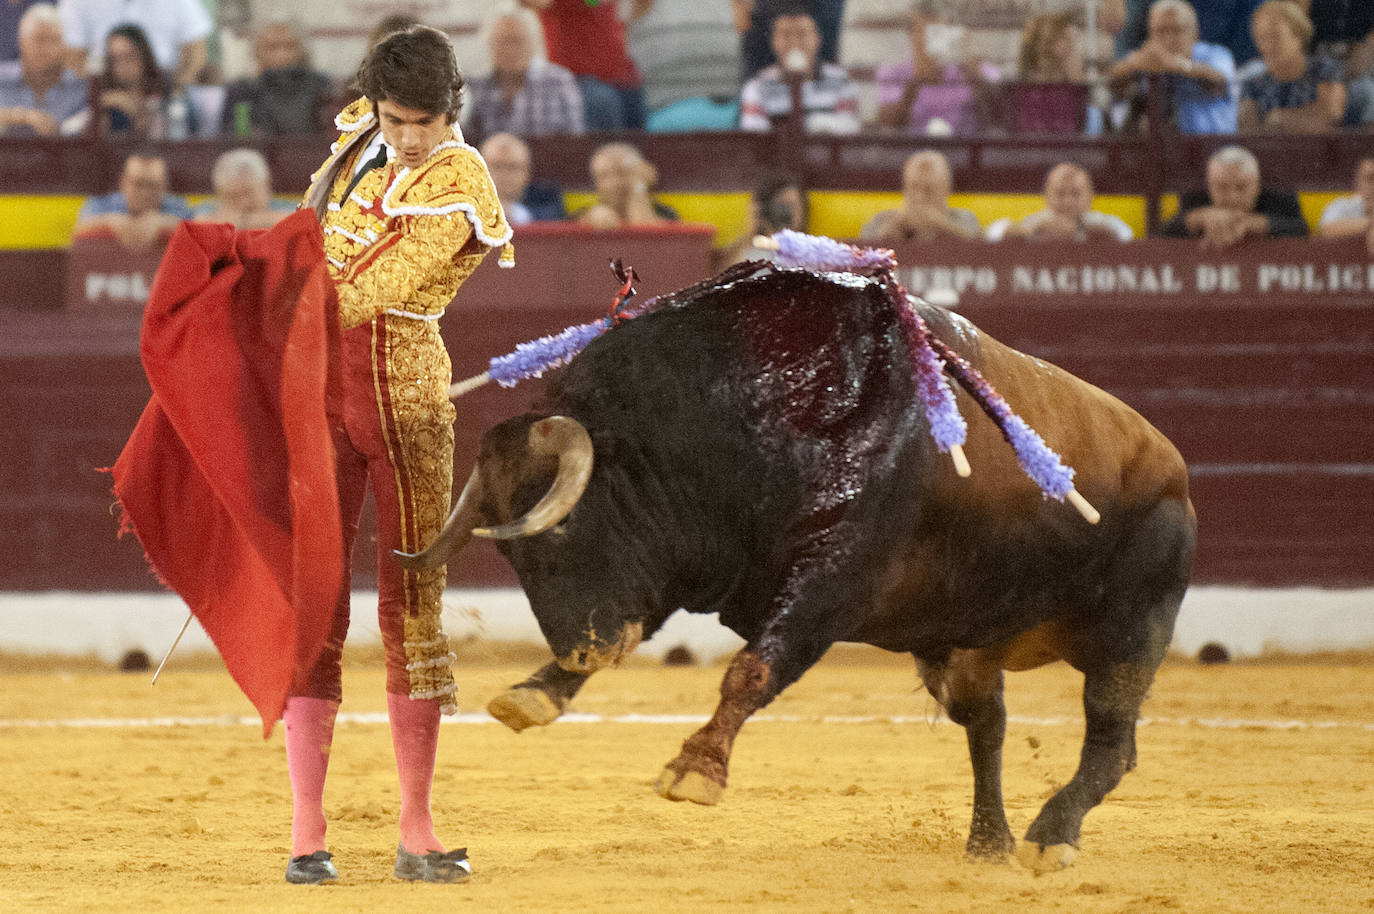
532	359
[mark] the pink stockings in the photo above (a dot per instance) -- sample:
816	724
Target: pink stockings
415	738
309	734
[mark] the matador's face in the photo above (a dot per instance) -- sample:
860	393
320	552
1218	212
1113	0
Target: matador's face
411	132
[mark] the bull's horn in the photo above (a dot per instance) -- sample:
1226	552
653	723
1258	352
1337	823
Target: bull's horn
565	438
456	533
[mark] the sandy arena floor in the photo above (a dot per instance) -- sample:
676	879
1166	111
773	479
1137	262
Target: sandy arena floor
1255	792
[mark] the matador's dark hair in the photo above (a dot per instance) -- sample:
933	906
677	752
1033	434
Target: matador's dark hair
416	69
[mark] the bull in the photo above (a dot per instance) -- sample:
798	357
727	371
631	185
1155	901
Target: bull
757	450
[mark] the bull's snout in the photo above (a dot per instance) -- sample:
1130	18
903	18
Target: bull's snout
599	653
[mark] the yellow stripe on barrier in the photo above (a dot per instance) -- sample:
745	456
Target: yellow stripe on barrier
37	221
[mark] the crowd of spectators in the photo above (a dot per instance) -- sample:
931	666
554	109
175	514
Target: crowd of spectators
140	70
570	66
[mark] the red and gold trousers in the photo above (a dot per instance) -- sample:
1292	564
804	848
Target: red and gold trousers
395	433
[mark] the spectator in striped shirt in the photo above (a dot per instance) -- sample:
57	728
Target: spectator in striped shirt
828	99
523	95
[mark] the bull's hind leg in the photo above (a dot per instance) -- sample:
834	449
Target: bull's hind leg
1118	655
537	701
968	684
1112	696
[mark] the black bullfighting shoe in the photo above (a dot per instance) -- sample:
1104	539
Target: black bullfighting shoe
451	866
311	869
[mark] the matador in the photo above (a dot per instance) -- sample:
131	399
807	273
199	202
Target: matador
408	211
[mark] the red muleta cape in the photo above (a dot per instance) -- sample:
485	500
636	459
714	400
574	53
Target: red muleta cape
228	478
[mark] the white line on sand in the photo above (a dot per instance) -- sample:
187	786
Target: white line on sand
473	717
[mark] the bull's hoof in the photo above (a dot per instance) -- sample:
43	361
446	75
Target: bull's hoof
520	708
688	785
1041	859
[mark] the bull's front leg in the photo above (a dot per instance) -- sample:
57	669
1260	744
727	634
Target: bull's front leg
537	701
700	771
807	615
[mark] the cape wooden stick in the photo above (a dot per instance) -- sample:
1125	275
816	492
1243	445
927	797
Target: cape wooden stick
175	641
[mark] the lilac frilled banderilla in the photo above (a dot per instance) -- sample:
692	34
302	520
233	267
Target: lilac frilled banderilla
814	252
1041	464
532	359
947	426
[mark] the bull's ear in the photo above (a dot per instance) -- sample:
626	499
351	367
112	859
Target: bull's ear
566	440
514	477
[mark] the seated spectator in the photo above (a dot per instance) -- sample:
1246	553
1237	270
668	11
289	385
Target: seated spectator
1198	79
588	39
939	90
1052	95
1068	214
133	97
1296	92
287	96
141	213
925	214
176	30
39	96
1223	22
10	14
828	98
778	202
523	94
243	192
754	21
1052	49
623	180
525	201
1343	30
685	49
1234	206
1352	215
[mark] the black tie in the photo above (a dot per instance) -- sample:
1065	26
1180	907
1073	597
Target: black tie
377	161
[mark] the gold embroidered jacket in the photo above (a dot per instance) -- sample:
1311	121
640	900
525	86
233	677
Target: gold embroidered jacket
405	239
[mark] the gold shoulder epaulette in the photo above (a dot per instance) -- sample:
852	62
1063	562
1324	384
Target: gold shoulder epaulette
454	179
